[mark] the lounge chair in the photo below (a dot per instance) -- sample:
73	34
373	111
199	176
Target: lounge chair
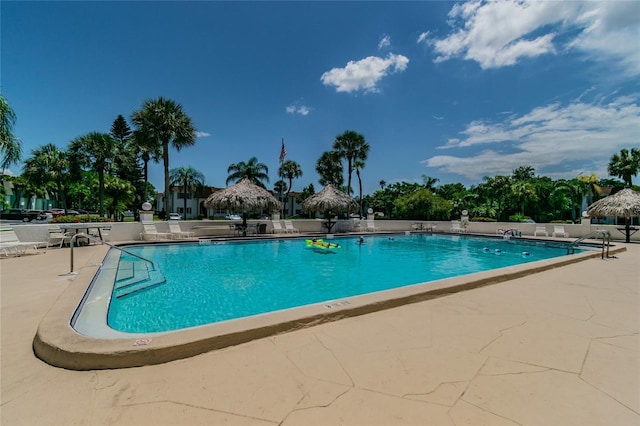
57	236
151	233
277	227
540	230
177	232
558	230
371	227
288	227
9	242
455	227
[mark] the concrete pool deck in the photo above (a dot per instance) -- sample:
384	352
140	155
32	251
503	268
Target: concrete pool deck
558	347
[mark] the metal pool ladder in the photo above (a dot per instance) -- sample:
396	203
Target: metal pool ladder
91	237
606	241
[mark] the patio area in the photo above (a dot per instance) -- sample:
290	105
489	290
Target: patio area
560	347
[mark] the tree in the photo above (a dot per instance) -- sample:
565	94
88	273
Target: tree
430	183
48	167
164	121
10	146
189	179
625	165
382	183
523	173
524	192
351	146
358	165
290	170
329	168
254	171
95	151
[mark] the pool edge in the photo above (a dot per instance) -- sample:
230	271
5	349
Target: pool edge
58	344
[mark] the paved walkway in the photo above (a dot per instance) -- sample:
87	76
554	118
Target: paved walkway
561	347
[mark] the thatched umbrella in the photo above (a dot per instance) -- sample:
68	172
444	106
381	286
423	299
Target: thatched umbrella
243	196
329	200
625	203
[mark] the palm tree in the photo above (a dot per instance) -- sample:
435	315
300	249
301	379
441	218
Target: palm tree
625	165
10	146
382	184
164	121
290	170
523	173
523	192
48	166
188	178
430	183
96	151
256	172
358	165
330	170
351	146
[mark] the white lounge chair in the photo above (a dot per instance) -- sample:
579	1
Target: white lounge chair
151	233
288	227
177	232
371	227
9	242
540	230
455	227
277	227
58	236
558	230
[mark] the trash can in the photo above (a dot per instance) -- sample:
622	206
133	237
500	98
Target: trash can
262	228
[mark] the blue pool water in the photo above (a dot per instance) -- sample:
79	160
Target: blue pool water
222	281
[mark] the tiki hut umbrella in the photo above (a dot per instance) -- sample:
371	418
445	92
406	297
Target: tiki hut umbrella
243	196
328	200
625	203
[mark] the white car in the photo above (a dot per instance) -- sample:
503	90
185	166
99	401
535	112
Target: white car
232	217
175	216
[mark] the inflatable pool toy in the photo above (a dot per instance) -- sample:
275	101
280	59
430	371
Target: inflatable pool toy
321	244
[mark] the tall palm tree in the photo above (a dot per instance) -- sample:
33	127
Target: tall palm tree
625	165
96	151
10	146
358	165
329	168
351	146
164	121
382	184
255	171
290	170
430	183
524	192
189	179
48	166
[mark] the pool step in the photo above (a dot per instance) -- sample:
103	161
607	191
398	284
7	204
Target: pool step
133	277
155	279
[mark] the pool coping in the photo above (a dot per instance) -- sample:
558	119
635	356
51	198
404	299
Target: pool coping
58	344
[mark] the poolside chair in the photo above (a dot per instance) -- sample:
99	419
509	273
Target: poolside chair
177	232
57	236
540	230
371	227
151	233
277	227
288	227
455	227
558	230
10	242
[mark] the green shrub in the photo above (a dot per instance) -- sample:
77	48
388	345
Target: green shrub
84	218
483	219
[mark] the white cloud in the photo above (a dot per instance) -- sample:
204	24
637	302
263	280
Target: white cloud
298	109
424	37
202	134
549	138
385	42
364	74
501	33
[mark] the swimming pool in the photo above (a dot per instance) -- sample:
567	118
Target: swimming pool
197	284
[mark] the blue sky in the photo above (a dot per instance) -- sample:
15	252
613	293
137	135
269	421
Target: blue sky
456	91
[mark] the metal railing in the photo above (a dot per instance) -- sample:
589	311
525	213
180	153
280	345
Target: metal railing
606	241
91	237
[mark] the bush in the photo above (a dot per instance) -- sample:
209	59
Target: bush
567	222
483	219
84	218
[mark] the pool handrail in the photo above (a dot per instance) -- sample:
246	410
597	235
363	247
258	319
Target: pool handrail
606	241
91	237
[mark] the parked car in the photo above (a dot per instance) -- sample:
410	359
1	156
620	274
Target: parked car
20	214
232	217
55	212
175	216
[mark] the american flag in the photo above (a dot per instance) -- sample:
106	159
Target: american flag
283	152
